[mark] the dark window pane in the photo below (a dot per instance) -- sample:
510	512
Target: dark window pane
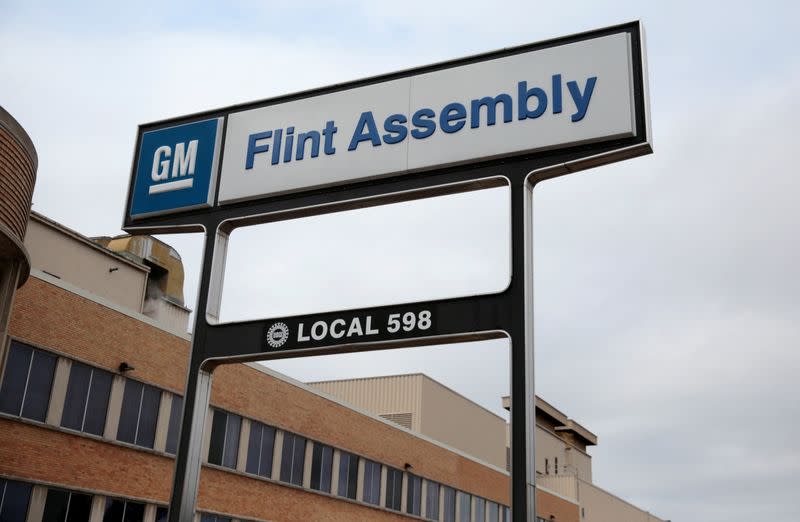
316	466
161	513
464	506
267	448
327	469
79	507
15	377
480	510
146	433
217	444
321	462
174	424
97	405
55	506
292	458
115	509
231	451
134	512
372	482
414	495
208	517
14	501
254	448
299	459
432	501
449	504
40	381
348	475
129	414
259	449
394	488
77	391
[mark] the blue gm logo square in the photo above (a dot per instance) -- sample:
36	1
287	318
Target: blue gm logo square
177	168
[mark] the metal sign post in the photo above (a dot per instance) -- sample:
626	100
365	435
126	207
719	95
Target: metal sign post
211	173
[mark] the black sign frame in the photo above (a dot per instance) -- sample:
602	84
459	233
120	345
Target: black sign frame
507	314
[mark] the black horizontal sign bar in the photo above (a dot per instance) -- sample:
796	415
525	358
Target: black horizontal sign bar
440	321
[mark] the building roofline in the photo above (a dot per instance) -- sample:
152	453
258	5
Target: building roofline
41	218
567	424
595	486
102	301
18	132
309	388
416	374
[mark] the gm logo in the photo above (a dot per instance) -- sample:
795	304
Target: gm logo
177	168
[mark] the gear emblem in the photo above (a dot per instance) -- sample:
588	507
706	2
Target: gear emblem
277	335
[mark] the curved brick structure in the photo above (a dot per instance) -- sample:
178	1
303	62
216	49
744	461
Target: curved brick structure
18	163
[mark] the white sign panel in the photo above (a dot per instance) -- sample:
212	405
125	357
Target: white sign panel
555	97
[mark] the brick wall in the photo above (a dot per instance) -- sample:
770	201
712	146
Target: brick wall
41	454
548	505
55	319
249	497
245	390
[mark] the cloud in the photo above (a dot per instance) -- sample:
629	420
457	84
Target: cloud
671	325
666	287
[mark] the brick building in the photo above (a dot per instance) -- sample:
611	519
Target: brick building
90	400
91	395
93	360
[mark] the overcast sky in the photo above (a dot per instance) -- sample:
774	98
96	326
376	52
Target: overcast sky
667	308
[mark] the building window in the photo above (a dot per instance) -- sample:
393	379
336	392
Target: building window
493	512
348	475
14	499
506	511
321	467
449	504
480	510
394	488
546	467
259	449
174	428
372	482
223	449
556	465
119	510
414	495
464	507
139	415
66	506
209	517
161	514
432	501
86	403
293	458
26	385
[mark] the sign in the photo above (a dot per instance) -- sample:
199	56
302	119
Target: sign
501	105
563	95
380	324
177	168
517	116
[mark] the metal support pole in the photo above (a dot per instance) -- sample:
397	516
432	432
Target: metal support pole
197	393
523	414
